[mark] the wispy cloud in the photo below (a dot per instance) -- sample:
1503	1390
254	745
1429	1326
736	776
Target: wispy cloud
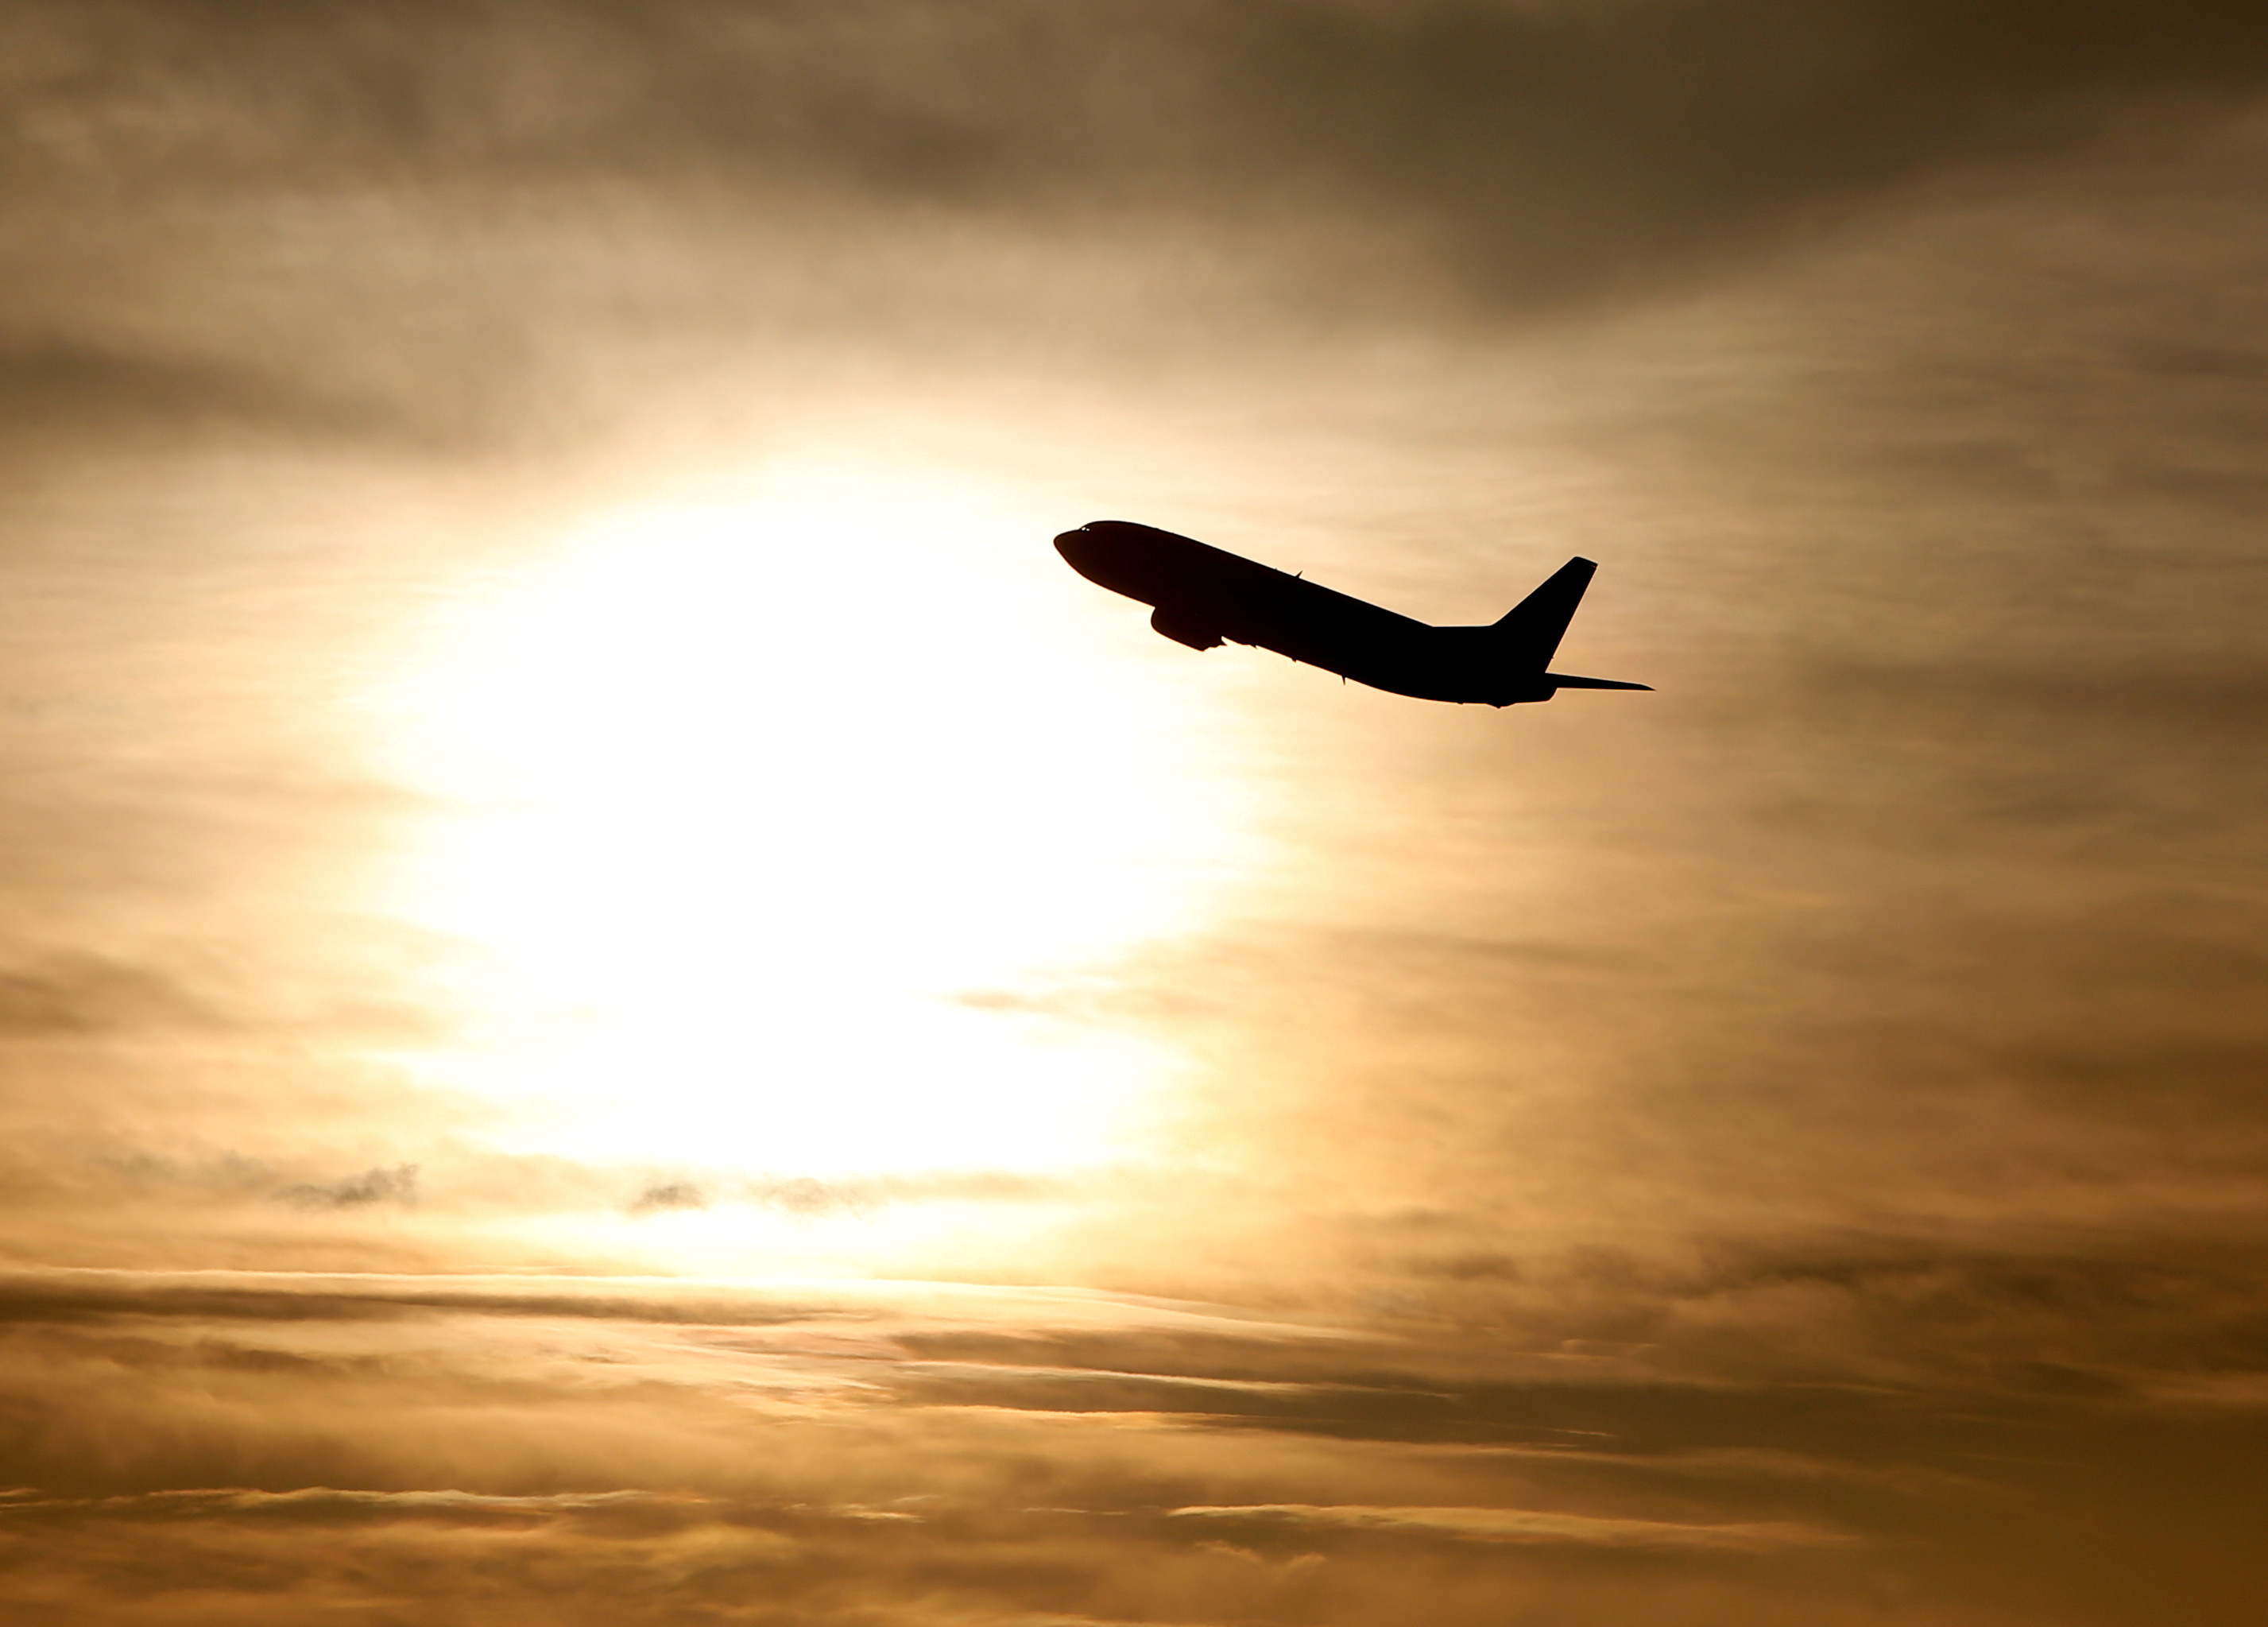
1787	1154
1523	1524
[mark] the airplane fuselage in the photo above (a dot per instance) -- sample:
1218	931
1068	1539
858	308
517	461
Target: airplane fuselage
1202	596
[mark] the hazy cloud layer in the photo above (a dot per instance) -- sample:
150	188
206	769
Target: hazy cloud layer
493	1442
1784	1151
1560	143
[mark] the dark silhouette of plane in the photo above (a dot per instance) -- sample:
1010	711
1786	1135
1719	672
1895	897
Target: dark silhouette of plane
1204	596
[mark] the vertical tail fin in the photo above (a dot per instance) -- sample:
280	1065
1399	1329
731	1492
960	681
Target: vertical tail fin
1538	622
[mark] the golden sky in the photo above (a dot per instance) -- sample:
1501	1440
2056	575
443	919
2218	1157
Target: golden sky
622	1003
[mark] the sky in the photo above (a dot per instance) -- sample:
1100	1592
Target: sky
622	1003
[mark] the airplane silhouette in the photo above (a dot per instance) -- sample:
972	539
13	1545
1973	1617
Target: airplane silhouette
1205	595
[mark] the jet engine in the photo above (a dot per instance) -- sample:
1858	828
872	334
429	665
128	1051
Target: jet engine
1182	628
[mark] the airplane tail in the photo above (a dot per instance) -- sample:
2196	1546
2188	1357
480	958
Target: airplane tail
1536	625
1532	628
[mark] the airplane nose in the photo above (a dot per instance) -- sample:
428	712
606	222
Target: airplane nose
1124	558
1081	547
1086	552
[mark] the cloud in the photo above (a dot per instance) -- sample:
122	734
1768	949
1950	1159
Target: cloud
209	1439
957	1307
1569	150
667	1195
73	390
1521	1525
396	1185
67	994
326	1505
1554	152
1779	1157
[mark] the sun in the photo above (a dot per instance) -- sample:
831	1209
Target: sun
774	815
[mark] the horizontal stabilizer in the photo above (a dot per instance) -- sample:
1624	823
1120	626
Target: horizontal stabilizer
1540	620
1566	682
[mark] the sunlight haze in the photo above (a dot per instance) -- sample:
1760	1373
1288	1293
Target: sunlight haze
625	1001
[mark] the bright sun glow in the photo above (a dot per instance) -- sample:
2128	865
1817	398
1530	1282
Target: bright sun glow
769	813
